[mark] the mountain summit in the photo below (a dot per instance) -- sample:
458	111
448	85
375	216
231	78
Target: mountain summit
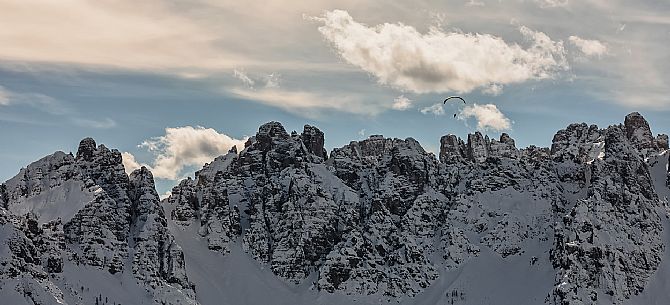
376	221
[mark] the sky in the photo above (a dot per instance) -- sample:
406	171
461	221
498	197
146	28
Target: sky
173	84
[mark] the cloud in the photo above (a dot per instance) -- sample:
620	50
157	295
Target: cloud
4	97
401	103
474	3
51	106
241	75
97	124
488	117
361	132
436	109
186	146
551	3
129	162
493	89
152	34
271	80
437	61
589	47
306	103
165	195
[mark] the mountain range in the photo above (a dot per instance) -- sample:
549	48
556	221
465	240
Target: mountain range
378	221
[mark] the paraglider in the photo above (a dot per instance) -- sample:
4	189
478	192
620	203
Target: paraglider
458	97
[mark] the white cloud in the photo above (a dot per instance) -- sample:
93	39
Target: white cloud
551	3
474	3
4	97
186	146
437	61
241	75
361	132
271	80
129	162
436	109
589	47
401	103
165	195
493	89
488	117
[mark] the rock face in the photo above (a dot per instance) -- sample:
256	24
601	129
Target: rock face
85	212
376	221
477	149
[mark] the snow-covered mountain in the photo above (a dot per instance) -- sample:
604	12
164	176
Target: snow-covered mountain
376	221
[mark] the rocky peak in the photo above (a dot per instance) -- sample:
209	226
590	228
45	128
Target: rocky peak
638	132
313	139
452	149
505	138
273	130
579	143
504	148
662	141
86	149
478	147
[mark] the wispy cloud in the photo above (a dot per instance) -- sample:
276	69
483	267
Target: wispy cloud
437	61
308	104
51	106
242	76
97	124
488	117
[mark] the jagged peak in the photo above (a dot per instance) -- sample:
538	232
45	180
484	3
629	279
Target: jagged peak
272	129
141	173
87	147
478	148
313	138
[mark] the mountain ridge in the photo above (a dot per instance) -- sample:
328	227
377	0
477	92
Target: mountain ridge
380	219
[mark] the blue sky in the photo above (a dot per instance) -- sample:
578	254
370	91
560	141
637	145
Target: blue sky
173	84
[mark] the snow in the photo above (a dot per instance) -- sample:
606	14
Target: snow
61	202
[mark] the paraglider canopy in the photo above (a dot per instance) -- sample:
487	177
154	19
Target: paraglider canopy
457	97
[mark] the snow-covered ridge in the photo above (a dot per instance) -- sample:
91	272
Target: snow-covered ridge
376	221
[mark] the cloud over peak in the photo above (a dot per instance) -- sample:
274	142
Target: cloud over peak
182	147
402	57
